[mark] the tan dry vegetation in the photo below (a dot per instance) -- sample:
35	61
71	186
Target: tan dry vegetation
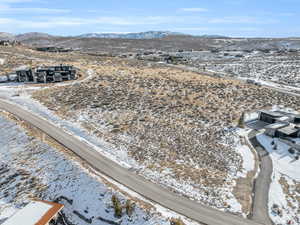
292	192
166	118
37	134
244	185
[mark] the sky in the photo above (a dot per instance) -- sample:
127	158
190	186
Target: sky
236	18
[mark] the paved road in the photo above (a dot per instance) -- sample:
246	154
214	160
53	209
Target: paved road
262	184
149	190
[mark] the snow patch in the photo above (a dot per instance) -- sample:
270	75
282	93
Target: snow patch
283	161
284	166
61	177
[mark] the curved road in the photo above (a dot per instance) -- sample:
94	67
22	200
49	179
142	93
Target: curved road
262	182
151	191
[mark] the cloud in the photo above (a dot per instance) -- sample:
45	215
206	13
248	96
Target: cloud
15	1
194	9
7	7
242	20
20	1
54	22
5	21
9	10
287	14
215	30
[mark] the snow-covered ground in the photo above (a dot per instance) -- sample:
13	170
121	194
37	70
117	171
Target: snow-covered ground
245	151
19	94
30	168
285	186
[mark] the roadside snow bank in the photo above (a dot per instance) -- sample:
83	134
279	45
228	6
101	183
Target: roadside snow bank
246	153
283	161
283	196
34	169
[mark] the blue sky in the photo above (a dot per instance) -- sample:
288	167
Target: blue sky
248	18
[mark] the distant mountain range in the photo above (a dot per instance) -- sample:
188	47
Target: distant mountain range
152	40
22	37
26	36
6	36
141	35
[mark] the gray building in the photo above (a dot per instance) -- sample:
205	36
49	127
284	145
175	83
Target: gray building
269	116
47	74
280	124
271	129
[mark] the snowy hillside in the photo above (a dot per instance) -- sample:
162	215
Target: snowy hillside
30	168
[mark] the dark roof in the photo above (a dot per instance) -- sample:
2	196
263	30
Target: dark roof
24	70
272	113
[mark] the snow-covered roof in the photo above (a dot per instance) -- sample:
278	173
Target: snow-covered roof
289	130
35	213
277	125
284	118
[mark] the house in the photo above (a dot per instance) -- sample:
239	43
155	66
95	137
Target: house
269	116
9	43
280	124
278	116
271	129
55	73
53	49
37	212
4	43
47	74
25	75
282	130
288	131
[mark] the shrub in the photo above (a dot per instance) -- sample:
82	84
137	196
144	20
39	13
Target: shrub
241	121
129	207
176	221
117	206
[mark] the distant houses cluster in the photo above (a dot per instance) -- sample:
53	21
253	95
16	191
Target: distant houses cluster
53	49
9	43
42	74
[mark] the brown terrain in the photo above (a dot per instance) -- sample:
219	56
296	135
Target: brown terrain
164	117
177	125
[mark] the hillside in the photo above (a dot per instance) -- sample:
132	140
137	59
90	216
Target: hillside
141	35
6	36
152	41
169	44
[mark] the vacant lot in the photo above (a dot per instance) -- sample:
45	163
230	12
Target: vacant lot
177	125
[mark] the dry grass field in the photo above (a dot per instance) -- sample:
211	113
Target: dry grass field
177	125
